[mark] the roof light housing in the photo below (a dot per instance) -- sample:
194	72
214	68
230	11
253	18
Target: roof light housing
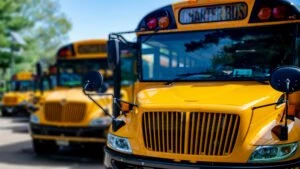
160	19
273	11
66	51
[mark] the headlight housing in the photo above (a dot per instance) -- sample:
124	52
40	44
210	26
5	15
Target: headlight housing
273	153
101	122
120	144
34	119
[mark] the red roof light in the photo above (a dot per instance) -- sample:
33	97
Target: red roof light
279	12
65	53
152	23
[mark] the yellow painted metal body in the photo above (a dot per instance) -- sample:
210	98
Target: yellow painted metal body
70	108
74	96
15	98
183	103
225	98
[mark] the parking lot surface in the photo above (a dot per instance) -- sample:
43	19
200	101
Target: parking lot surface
16	151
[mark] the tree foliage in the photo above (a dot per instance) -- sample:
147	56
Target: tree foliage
48	33
11	20
41	24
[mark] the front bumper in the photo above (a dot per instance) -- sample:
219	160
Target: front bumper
115	160
12	109
73	134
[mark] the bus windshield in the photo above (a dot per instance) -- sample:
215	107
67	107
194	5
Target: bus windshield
70	72
217	55
22	85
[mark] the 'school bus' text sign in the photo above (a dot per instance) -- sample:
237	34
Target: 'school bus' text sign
215	13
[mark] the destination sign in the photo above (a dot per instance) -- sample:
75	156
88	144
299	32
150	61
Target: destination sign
215	13
91	49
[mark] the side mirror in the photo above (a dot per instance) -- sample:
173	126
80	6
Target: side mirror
92	81
286	79
40	84
113	53
39	70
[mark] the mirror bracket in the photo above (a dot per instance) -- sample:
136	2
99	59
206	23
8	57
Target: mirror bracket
285	79
116	123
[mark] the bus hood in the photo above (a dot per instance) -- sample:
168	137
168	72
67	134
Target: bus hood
13	98
241	95
74	94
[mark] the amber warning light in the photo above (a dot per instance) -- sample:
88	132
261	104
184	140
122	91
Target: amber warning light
159	22
66	51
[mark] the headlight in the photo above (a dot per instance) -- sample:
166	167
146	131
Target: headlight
101	122
273	153
34	119
118	143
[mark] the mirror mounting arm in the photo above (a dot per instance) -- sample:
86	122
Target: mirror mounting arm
91	98
116	100
266	105
282	131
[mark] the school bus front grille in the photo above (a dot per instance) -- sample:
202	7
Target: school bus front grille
70	112
193	133
10	100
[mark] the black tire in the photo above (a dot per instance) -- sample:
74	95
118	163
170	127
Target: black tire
4	113
44	146
96	149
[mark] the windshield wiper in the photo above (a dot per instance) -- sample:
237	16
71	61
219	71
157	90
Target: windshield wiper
184	75
261	80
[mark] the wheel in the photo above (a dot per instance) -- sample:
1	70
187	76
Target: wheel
44	146
95	149
4	112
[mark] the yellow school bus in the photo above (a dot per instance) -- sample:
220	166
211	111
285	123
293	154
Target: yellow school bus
67	117
202	98
22	86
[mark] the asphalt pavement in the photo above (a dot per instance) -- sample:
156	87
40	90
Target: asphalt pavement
16	151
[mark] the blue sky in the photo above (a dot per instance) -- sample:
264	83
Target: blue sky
97	18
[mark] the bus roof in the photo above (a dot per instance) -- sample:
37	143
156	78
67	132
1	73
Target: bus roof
84	49
192	15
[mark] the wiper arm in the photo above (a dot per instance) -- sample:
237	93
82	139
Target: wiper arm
182	76
261	80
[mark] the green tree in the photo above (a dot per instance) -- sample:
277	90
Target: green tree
11	20
47	34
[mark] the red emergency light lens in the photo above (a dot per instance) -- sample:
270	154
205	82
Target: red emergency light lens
152	23
65	53
279	12
264	13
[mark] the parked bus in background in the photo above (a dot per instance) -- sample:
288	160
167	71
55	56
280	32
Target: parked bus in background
21	90
202	97
67	117
3	88
45	83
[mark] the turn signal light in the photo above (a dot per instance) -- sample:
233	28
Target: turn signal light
264	13
292	110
